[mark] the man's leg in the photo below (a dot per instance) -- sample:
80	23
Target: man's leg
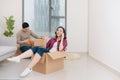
24	48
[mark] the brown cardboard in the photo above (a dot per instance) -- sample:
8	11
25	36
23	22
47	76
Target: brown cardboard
50	62
39	42
36	42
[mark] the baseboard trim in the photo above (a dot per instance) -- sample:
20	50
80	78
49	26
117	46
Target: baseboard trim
79	52
106	66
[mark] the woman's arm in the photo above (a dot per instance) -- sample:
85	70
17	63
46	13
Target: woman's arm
35	35
46	40
61	46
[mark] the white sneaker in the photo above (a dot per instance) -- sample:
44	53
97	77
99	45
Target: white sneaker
14	59
25	72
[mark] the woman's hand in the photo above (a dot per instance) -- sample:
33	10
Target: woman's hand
45	39
61	43
45	36
62	35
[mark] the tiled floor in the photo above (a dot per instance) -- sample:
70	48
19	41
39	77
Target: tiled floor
84	68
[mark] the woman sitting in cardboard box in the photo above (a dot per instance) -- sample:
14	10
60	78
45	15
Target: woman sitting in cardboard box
58	43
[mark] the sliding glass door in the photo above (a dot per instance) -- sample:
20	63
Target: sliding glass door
44	16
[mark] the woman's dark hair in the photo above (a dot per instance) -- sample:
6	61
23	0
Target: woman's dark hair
63	32
25	25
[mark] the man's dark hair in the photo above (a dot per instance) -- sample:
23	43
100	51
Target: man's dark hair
25	25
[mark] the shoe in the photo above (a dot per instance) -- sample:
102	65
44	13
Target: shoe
25	72
14	59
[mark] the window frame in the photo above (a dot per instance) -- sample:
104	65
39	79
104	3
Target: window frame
65	17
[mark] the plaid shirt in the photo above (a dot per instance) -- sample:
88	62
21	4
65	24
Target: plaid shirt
50	43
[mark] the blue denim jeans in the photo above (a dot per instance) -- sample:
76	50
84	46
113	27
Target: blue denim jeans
24	48
39	50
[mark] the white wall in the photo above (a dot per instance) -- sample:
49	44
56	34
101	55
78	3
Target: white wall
8	8
104	31
77	25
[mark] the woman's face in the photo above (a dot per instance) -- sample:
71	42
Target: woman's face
59	32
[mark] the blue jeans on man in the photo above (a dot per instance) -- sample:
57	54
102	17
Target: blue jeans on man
25	48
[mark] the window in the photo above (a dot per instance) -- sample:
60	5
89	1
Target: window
44	16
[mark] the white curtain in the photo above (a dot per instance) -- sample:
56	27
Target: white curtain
44	16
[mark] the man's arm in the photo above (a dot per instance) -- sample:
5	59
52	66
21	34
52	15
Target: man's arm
35	35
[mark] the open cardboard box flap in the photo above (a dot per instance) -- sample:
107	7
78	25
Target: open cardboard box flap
49	62
52	55
56	55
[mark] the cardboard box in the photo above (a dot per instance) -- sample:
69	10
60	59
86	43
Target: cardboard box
36	42
50	62
39	42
